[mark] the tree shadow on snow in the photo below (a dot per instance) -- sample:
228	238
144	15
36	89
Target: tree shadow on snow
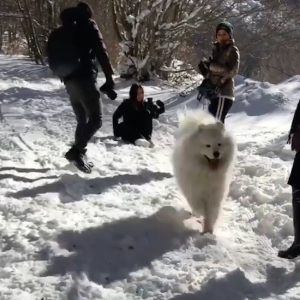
24	170
110	252
24	68
236	286
25	179
72	187
109	141
103	138
15	94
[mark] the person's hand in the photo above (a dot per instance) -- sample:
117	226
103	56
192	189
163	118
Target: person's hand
108	89
108	85
160	103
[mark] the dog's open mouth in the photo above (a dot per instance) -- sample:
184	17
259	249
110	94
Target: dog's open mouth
213	162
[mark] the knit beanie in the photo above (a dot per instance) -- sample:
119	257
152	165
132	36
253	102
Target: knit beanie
225	26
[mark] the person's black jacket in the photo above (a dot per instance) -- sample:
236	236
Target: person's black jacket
296	121
133	115
294	179
92	46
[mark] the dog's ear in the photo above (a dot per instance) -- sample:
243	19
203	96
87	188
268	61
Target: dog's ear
220	125
201	127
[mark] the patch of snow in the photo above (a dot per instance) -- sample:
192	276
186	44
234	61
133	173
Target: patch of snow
121	232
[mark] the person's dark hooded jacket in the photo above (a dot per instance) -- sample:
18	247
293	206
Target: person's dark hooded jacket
134	113
91	42
294	179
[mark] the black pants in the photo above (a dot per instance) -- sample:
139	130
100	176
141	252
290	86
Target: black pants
219	107
87	106
143	129
296	213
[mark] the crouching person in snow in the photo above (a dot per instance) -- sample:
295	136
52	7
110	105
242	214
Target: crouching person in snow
219	71
72	50
138	115
294	181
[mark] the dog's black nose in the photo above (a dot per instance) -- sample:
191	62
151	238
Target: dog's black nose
216	154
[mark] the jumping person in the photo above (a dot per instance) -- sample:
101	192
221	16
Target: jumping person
138	115
219	71
72	50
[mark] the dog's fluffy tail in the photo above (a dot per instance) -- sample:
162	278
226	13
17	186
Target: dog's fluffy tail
191	120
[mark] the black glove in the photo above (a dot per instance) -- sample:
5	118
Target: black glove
108	89
160	103
161	106
150	105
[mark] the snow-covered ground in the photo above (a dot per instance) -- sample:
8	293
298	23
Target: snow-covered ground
119	232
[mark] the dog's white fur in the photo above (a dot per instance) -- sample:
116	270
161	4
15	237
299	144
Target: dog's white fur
203	186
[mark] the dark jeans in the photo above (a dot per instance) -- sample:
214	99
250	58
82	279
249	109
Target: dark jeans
143	129
296	212
294	179
87	107
219	107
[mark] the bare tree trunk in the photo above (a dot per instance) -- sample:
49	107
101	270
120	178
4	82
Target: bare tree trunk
1	37
34	47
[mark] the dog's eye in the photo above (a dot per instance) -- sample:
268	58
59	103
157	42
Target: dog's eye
219	145
207	146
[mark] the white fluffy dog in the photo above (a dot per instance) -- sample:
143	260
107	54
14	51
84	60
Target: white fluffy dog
203	161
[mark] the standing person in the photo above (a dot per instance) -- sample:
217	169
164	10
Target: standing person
219	72
294	181
72	52
138	115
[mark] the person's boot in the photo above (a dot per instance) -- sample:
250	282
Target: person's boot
294	250
91	164
152	145
77	158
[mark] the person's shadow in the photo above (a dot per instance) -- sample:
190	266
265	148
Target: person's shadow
236	286
72	187
110	252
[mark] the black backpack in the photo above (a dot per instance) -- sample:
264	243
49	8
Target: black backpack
63	50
